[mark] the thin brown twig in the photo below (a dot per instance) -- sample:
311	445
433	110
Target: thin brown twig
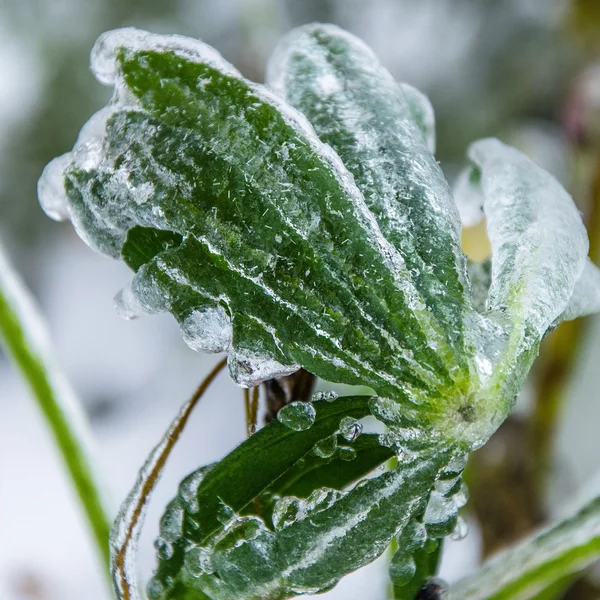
130	520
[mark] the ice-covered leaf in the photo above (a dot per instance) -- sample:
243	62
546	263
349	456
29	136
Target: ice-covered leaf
355	106
249	229
586	295
539	243
213	542
539	249
532	566
421	112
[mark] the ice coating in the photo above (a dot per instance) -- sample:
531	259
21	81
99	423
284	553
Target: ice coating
250	370
422	113
207	330
586	295
354	315
533	272
469	197
104	64
382	134
51	189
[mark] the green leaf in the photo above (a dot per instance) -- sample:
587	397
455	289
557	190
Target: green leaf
336	472
355	106
537	563
207	545
25	338
246	227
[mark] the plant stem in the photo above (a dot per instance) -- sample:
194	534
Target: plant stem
25	339
128	524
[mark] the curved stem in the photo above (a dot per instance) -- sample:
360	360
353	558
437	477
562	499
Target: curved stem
128	524
25	338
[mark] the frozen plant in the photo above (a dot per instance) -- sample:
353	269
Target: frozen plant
307	224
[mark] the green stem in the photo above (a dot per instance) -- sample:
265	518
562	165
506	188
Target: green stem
23	334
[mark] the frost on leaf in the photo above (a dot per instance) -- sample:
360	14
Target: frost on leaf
243	224
383	134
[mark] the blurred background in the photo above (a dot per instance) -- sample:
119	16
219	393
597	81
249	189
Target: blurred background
527	71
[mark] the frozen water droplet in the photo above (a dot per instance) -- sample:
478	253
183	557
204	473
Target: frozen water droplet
440	515
327	396
127	304
327	447
207	330
155	589
461	530
225	514
298	416
350	428
287	511
249	370
322	499
346	453
402	567
414	535
165	549
188	490
448	487
171	523
455	467
198	561
51	188
461	497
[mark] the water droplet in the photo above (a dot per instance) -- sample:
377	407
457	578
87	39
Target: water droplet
287	511
346	453
171	523
326	396
249	370
350	428
298	416
461	530
414	535
155	589
165	549
448	487
188	489
321	499
207	330
327	447
402	568
440	515
51	188
225	514
128	305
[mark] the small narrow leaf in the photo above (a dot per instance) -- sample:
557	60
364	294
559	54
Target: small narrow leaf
25	338
535	564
